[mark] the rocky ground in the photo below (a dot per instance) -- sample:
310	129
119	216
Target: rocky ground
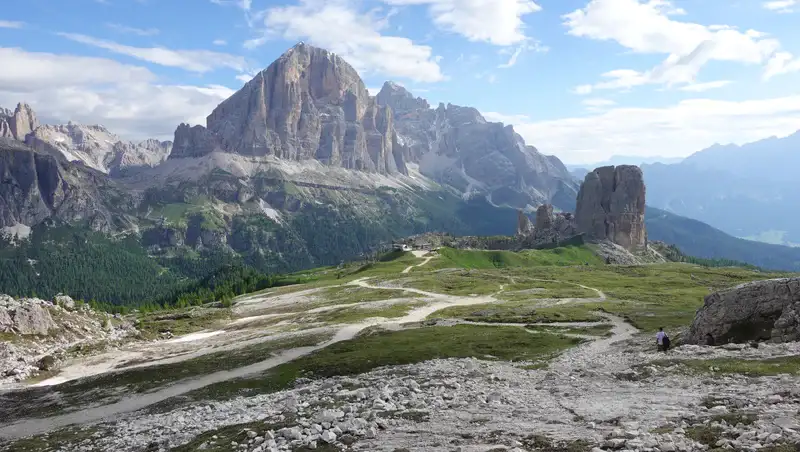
611	392
38	335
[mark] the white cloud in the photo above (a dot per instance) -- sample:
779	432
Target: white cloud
700	87
246	77
674	131
356	37
28	72
646	27
220	42
190	60
11	24
497	22
783	63
597	102
133	30
122	97
781	6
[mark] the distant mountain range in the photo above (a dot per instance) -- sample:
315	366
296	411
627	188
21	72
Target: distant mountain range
747	191
302	167
579	170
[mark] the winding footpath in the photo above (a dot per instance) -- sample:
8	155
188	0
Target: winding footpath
590	352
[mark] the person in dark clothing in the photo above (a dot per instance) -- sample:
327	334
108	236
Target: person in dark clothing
662	340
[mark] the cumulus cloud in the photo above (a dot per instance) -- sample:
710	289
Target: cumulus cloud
190	60
127	99
497	22
674	131
27	71
647	27
356	37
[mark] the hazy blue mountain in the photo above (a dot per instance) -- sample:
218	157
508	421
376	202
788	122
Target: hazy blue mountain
621	160
698	239
746	191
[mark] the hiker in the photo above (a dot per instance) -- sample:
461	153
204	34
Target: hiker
662	340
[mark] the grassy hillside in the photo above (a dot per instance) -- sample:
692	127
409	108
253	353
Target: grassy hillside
698	239
570	255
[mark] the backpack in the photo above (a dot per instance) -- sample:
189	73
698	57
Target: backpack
666	342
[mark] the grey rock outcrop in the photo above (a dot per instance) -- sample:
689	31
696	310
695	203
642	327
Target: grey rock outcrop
760	310
610	206
524	226
549	228
457	146
19	123
544	217
25	317
308	104
192	141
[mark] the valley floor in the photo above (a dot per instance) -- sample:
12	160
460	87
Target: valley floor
417	355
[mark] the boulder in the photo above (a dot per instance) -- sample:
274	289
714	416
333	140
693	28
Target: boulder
26	318
610	206
65	301
47	362
760	310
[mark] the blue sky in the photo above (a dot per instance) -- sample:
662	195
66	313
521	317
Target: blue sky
580	79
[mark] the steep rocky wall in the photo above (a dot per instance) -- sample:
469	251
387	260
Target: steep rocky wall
610	206
308	104
760	310
38	186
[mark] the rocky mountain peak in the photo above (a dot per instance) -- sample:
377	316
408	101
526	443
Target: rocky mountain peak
308	104
610	206
19	123
400	99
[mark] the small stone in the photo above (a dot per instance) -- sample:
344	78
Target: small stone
328	436
667	447
774	398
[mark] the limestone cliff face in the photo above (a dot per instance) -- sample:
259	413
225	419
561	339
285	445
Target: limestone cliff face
308	104
610	206
37	187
